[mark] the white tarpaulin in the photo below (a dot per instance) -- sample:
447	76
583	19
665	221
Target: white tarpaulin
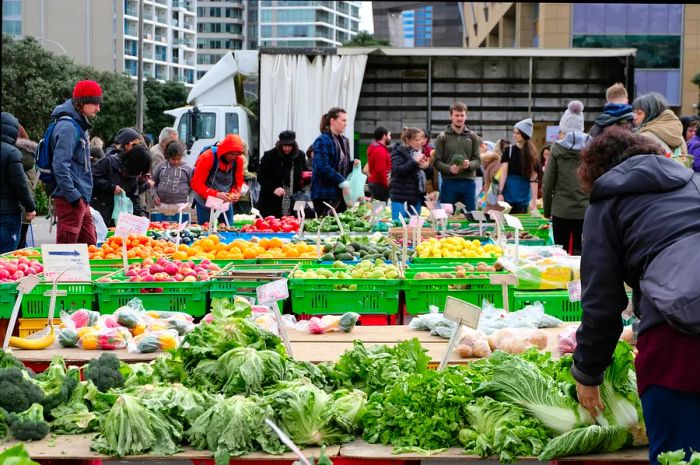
295	92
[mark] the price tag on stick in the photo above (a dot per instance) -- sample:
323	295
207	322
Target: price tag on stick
287	442
504	280
24	286
73	257
462	313
514	223
337	219
480	217
574	288
130	224
404	245
270	294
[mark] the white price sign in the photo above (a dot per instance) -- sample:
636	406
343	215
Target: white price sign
131	224
574	290
497	216
273	292
507	279
214	203
73	258
416	222
439	214
478	216
513	222
449	209
462	312
299	205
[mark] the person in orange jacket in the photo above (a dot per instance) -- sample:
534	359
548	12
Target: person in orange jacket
218	173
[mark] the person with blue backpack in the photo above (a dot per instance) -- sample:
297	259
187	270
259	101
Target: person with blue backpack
63	159
218	172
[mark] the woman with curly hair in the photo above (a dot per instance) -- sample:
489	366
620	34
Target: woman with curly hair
642	228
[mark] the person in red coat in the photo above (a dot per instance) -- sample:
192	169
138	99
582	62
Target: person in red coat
218	173
379	164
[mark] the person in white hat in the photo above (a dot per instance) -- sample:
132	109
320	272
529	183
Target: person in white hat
518	182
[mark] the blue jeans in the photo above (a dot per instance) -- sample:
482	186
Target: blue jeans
671	419
203	214
397	207
459	190
10	229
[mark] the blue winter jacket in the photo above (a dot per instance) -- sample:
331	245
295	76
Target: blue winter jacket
325	178
71	156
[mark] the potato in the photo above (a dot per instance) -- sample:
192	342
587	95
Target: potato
465	351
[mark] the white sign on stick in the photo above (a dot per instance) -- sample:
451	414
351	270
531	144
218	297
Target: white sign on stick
574	288
73	257
478	216
128	224
462	312
214	203
513	222
273	292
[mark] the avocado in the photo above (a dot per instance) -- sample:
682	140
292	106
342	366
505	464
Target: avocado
329	257
339	248
355	245
346	257
327	248
350	249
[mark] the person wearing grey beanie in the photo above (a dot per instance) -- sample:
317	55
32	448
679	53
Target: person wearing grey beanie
518	182
572	120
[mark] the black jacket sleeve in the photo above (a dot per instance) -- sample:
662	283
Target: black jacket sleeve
101	177
603	298
267	173
18	180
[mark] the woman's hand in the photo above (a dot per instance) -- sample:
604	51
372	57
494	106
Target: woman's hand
356	162
500	198
589	398
279	192
118	190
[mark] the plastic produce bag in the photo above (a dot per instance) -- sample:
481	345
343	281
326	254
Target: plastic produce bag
153	341
133	317
104	339
122	204
329	323
542	268
517	340
357	181
79	318
434	322
472	344
566	340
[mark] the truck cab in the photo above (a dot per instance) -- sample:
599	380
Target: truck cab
199	127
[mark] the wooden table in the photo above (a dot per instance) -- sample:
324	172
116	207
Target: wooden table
77	448
315	348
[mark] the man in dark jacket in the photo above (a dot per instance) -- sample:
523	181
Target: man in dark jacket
119	175
14	188
71	165
642	228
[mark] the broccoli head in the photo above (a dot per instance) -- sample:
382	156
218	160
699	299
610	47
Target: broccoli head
17	391
57	384
29	425
4	427
7	360
104	372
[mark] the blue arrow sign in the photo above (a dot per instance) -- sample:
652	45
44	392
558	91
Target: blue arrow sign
74	253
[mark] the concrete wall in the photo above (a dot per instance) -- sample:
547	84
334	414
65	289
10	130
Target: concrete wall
554	25
85	28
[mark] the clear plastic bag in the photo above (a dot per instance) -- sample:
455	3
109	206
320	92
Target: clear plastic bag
122	204
566	340
357	181
532	316
472	344
542	268
517	340
330	323
104	339
154	341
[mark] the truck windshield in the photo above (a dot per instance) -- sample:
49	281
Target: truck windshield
206	127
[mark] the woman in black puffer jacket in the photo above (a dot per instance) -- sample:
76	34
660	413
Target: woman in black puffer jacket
410	169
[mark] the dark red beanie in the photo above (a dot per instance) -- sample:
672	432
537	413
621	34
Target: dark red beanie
87	92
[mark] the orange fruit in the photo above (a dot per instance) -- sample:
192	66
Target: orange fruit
250	253
276	242
265	243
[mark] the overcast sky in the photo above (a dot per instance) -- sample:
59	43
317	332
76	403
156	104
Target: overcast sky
366	23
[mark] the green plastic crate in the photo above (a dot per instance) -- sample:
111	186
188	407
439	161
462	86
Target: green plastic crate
320	296
450	260
8	295
422	293
223	285
287	261
70	296
188	297
556	303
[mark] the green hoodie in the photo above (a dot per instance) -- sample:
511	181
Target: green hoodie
561	192
451	147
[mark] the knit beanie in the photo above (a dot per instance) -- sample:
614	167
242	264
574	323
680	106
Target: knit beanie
126	135
232	143
87	92
525	128
573	118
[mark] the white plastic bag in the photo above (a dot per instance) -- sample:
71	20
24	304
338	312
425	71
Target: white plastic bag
122	204
100	226
357	181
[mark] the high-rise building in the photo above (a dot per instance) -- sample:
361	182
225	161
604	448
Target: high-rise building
418	27
251	36
433	24
665	35
104	34
220	28
307	23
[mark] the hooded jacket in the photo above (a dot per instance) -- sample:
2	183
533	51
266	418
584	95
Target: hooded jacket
107	176
637	210
449	145
613	113
668	129
561	192
15	192
72	169
694	150
227	178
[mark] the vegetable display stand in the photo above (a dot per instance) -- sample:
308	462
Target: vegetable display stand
422	293
181	296
451	260
8	294
69	296
232	281
32	253
556	303
335	296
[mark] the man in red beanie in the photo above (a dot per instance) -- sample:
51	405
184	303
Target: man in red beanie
218	173
72	170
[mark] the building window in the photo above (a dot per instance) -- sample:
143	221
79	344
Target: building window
653	51
13	28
